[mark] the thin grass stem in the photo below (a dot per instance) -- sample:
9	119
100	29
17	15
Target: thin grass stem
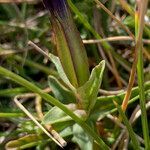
113	17
133	137
139	23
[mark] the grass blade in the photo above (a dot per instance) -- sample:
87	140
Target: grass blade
135	142
139	25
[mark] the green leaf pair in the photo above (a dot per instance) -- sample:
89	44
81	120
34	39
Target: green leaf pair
85	96
79	100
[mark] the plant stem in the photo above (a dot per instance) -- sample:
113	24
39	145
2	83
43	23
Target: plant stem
10	115
13	91
114	18
139	22
127	7
133	137
111	66
135	92
142	100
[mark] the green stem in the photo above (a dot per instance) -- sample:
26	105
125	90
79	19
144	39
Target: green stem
135	142
130	101
135	92
16	78
104	104
140	74
10	115
139	26
13	91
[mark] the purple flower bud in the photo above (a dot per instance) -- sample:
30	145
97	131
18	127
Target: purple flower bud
70	48
56	7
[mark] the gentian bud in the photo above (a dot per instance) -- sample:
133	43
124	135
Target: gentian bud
70	48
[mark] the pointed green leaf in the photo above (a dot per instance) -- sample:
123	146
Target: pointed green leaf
60	70
60	91
55	115
88	92
58	119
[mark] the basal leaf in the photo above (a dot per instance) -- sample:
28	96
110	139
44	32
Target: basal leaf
60	70
56	115
88	92
60	91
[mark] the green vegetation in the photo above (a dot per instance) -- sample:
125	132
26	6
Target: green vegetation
58	90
